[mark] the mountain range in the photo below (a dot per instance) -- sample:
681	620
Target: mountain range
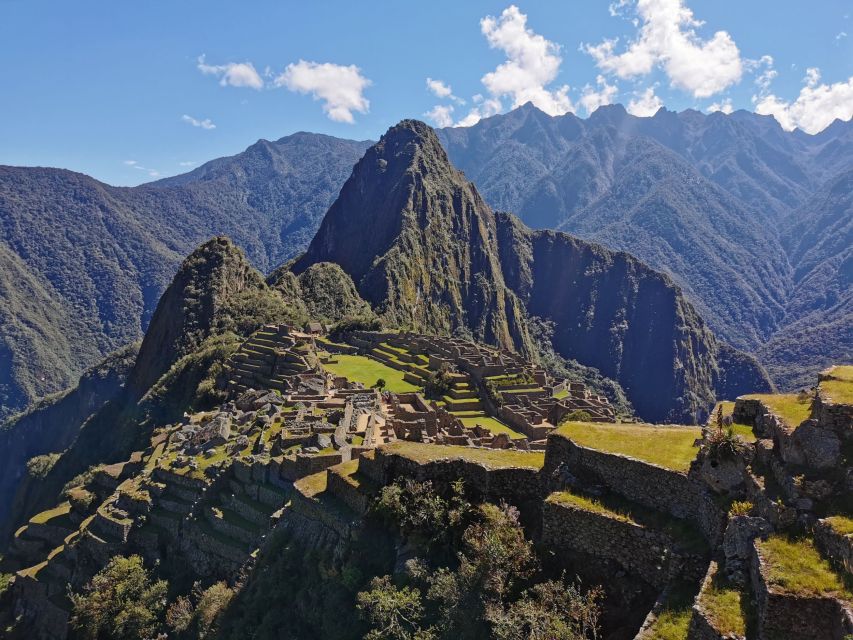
752	222
409	242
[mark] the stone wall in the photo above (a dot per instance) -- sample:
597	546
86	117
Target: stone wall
306	465
796	617
835	417
517	486
652	486
835	545
651	555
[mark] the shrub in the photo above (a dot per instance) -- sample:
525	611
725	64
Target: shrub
121	601
740	508
578	415
39	466
725	444
439	382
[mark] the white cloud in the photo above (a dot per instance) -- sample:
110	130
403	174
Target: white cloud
187	163
484	109
439	88
441	115
815	108
645	103
532	63
204	124
667	39
130	163
235	74
841	34
592	98
341	88
765	78
725	106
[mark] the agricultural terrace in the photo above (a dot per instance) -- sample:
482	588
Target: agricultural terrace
796	566
492	424
671	447
839	389
367	371
424	453
793	408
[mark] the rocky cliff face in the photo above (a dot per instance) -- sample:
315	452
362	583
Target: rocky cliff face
419	242
201	292
53	424
428	253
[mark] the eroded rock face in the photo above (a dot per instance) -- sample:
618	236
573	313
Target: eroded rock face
723	475
821	448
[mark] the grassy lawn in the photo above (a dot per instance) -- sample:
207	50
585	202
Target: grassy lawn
312	485
493	425
367	371
50	514
492	458
674	620
788	406
588	504
796	566
562	394
727	606
839	390
670	447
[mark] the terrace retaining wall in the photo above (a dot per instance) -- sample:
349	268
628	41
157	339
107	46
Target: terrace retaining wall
652	486
651	555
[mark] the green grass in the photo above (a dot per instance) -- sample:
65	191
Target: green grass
367	371
742	430
312	485
673	621
727	606
796	566
155	455
840	388
842	525
562	394
50	514
670	447
493	425
788	406
492	458
588	504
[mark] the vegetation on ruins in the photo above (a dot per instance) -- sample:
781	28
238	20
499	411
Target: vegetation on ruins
491	585
578	415
796	566
197	615
740	508
121	602
793	408
440	382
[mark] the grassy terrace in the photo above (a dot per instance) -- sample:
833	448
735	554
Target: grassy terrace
667	446
367	371
673	620
789	406
495	426
625	511
796	566
50	514
727	606
843	525
491	458
839	390
742	430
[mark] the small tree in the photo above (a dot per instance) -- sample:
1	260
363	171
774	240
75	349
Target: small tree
394	613
379	384
121	601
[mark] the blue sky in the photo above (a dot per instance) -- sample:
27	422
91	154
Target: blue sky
127	92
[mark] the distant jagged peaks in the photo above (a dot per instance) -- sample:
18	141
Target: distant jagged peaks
426	251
